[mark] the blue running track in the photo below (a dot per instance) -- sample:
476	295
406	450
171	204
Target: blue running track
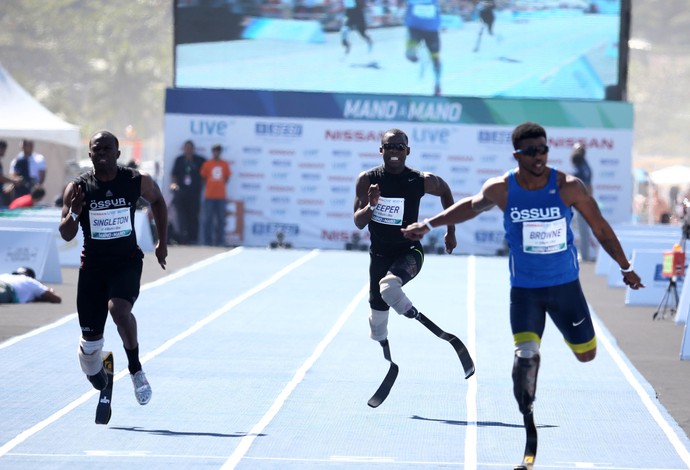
261	359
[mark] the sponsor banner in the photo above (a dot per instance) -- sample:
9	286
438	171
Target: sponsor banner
395	108
297	175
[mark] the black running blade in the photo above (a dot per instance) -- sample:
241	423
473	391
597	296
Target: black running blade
530	444
385	387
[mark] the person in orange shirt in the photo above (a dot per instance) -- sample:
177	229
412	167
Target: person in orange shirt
216	174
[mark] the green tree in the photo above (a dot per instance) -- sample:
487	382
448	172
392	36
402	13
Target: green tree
98	64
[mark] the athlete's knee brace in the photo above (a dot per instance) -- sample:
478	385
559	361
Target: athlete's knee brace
90	356
392	294
378	323
525	371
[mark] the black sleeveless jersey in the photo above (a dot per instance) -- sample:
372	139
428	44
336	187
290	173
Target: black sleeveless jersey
403	191
107	219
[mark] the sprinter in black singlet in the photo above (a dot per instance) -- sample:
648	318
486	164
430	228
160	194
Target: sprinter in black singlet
103	201
387	200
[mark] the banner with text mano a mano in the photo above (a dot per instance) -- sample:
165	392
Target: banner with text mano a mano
296	156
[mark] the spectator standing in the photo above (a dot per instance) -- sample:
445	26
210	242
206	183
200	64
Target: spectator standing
30	167
21	287
216	174
5	191
186	187
28	200
584	172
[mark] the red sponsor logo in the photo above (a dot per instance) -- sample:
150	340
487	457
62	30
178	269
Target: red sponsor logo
337	235
592	142
310	202
282	189
246	175
339	215
281	152
311	165
353	136
340	178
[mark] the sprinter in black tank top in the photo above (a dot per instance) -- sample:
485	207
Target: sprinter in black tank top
387	200
103	202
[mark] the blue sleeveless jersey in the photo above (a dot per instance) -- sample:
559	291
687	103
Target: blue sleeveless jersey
423	14
537	225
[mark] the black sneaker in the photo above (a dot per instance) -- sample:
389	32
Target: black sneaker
100	380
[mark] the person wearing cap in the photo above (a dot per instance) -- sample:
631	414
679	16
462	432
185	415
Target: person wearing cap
21	286
216	174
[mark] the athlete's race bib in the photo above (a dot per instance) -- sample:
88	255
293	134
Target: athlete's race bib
389	211
544	237
110	223
424	11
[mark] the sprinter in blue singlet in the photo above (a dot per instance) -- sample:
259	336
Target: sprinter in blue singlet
537	202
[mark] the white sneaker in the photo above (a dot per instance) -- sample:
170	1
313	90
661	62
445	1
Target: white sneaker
142	389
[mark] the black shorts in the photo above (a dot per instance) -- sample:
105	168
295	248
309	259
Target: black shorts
405	263
355	19
97	285
430	38
565	304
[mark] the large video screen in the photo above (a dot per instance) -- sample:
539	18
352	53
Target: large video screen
551	49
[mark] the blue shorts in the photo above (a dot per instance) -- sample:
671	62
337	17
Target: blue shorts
565	304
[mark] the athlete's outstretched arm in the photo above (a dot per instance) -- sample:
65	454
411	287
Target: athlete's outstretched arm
576	193
465	209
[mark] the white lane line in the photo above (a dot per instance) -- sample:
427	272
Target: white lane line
471	344
157	283
652	407
24	435
259	427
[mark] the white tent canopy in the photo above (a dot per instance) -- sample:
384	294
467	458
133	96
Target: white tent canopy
675	175
22	117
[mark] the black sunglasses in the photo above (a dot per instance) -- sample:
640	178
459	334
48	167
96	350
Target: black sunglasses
391	146
535	150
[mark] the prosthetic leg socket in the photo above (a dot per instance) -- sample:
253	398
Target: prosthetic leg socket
525	371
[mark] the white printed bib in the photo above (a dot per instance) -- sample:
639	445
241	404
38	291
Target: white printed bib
389	211
110	223
544	237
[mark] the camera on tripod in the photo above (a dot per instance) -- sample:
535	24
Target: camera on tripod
673	267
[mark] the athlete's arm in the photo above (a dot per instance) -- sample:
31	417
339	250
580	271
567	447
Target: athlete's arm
72	203
438	187
366	197
575	193
152	193
465	209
